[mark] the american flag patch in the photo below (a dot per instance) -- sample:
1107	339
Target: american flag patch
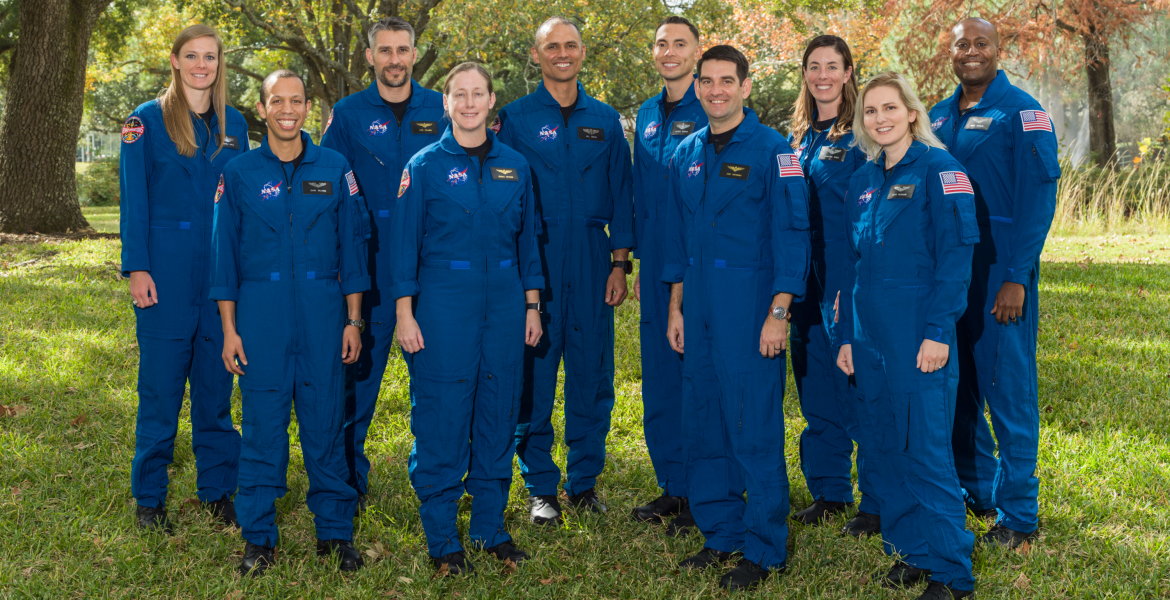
955	182
353	188
789	165
1035	120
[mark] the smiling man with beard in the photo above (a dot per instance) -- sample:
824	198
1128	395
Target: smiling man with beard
377	130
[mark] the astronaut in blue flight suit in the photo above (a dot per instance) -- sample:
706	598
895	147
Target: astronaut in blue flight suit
736	254
823	140
663	122
167	181
467	280
1004	139
581	160
911	228
377	130
282	306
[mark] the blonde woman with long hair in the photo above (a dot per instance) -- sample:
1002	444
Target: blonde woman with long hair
911	232
173	150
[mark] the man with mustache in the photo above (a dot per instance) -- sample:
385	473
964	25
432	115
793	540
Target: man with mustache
378	130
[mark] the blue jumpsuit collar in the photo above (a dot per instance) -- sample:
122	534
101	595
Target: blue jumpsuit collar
311	149
375	99
451	145
746	128
688	98
542	94
915	150
995	91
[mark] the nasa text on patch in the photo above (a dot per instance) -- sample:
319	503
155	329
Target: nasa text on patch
324	188
231	141
682	128
901	191
595	134
735	171
505	174
424	127
832	153
980	123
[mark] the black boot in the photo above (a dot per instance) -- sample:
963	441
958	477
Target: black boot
1003	537
936	590
863	524
506	551
588	500
456	563
257	559
223	510
362	503
818	511
347	555
987	513
683	524
901	575
544	510
662	506
154	517
745	576
706	558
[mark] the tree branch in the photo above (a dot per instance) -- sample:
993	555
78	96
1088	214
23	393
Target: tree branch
243	71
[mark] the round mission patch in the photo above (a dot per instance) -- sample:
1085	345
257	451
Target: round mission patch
132	129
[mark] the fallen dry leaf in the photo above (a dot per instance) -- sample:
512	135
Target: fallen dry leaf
1024	548
79	420
70	390
510	565
442	572
373	554
13	410
1074	345
234	595
405	580
1022	582
28	572
545	581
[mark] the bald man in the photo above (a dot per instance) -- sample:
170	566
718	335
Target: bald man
1004	138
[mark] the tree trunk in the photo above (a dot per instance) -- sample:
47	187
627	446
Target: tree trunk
1102	138
42	115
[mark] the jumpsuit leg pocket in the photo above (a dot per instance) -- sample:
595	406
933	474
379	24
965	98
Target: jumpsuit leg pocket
757	410
438	402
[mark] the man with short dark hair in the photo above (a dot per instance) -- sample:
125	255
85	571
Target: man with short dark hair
663	122
377	130
288	250
737	245
1004	139
581	164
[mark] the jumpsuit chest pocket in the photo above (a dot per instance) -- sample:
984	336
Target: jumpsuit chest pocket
825	170
987	133
896	199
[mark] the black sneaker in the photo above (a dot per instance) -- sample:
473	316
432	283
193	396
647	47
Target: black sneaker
863	524
544	510
706	558
662	506
347	555
937	590
745	576
683	524
506	551
257	559
819	511
987	513
224	510
362	503
901	575
154	518
1003	537
456	563
588	500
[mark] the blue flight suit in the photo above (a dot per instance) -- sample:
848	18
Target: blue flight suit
166	207
910	246
467	247
583	184
1007	145
655	139
365	131
827	403
290	317
754	197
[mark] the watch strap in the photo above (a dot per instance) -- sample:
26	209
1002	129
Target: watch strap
532	306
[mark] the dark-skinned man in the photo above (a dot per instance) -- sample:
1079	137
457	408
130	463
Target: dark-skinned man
581	164
736	255
1004	139
377	130
663	122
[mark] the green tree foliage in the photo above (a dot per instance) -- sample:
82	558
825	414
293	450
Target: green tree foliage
98	185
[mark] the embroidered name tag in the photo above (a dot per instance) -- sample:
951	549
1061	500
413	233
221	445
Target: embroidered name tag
505	174
682	128
231	141
901	192
591	133
424	127
832	153
980	123
324	188
735	171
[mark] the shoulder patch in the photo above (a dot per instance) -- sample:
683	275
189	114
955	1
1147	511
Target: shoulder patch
955	182
219	189
789	165
329	122
132	129
353	186
1034	120
497	124
405	183
938	123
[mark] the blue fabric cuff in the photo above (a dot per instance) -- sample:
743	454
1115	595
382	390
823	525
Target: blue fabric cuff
621	240
354	286
532	283
224	293
135	264
789	285
404	289
674	273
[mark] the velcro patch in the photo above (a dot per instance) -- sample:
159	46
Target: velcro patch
231	141
353	186
594	134
832	153
682	128
321	188
424	128
901	191
734	171
505	174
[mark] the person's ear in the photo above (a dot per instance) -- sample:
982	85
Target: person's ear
175	62
260	108
747	88
370	56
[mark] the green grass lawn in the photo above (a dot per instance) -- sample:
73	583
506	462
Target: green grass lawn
68	360
102	218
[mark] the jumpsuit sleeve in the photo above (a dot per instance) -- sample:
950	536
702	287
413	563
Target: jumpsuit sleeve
674	238
955	234
352	233
410	213
503	132
134	206
845	305
621	225
225	243
1033	197
791	246
528	242
337	139
637	176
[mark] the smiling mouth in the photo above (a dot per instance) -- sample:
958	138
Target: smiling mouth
884	130
287	124
562	65
971	64
824	88
670	65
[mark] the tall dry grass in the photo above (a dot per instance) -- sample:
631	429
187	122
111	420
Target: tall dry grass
1091	199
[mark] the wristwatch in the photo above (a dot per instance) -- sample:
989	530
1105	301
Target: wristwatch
780	313
360	324
533	306
624	265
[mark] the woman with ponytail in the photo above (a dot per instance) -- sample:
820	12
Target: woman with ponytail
173	150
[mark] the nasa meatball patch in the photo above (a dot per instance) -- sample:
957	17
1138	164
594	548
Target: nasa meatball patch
405	184
132	129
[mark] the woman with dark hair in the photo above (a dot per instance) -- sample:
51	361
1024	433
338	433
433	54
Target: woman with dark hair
173	151
467	276
822	136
